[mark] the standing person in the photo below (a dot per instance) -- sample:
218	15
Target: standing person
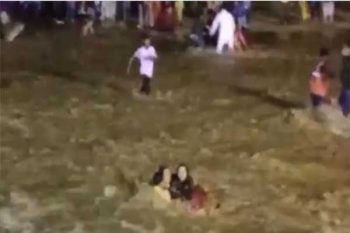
9	29
304	9
240	13
225	24
166	21
328	12
248	6
141	13
179	7
71	11
146	54
314	9
198	32
344	98
319	80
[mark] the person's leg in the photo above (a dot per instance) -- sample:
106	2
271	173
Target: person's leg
231	42
148	85
344	101
324	12
331	12
140	11
316	100
145	89
70	14
220	45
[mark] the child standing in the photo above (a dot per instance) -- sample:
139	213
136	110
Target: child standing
344	99
319	81
146	54
319	86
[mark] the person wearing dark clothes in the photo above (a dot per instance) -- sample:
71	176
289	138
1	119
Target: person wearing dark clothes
210	40
344	99
198	31
181	184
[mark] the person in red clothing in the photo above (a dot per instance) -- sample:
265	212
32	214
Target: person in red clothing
166	20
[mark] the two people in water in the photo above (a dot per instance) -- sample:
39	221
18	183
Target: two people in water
180	189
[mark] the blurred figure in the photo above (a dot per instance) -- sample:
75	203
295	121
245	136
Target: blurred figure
304	9
225	24
59	10
240	14
319	80
167	18
151	9
198	31
314	9
88	13
344	98
179	7
328	12
108	11
70	11
8	29
284	12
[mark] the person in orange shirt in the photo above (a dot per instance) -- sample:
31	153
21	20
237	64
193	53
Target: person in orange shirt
320	79
319	87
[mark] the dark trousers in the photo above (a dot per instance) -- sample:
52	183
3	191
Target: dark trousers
146	85
317	100
344	101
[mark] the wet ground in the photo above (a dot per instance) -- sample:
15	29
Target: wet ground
70	128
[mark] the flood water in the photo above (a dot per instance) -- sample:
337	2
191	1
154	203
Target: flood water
70	127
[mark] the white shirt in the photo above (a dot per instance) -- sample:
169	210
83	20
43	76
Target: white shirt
146	56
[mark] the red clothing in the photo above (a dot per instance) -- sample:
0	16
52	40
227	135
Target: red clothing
199	197
166	20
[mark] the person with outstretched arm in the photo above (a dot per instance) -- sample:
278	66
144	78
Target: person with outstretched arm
146	54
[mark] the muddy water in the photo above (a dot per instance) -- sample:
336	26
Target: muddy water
71	132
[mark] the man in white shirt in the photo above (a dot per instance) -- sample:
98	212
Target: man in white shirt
146	54
225	24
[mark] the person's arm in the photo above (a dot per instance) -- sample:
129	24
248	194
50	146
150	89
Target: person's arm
214	25
130	64
132	58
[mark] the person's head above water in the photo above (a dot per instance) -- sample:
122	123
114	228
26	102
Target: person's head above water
162	176
182	172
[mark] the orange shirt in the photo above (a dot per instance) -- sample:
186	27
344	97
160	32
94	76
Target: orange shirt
319	84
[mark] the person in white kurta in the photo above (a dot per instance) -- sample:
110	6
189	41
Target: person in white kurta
146	54
225	23
328	11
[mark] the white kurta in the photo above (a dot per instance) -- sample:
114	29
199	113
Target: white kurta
108	10
225	23
146	56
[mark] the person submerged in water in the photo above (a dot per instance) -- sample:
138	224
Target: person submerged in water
161	182
181	185
193	198
180	189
